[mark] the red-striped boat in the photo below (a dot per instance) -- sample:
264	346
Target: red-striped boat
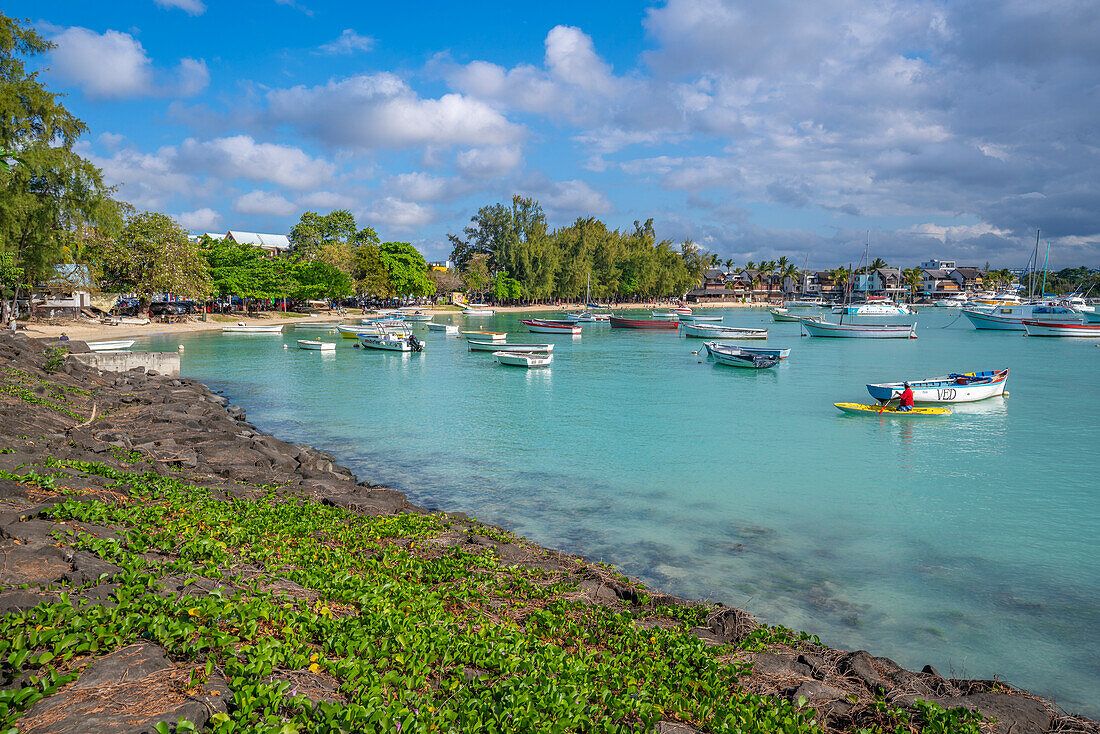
617	322
550	326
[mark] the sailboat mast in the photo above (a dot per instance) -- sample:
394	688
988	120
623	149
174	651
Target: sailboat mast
1046	262
1034	264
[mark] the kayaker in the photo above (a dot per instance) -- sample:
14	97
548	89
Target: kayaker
906	399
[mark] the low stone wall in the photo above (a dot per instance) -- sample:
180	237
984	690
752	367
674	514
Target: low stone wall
163	363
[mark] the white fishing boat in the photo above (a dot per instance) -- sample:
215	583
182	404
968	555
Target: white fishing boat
737	358
713	331
956	301
782	314
664	315
485	336
713	347
111	346
1077	302
417	317
1011	317
820	327
524	359
805	303
391	343
354	332
551	326
445	328
133	320
1059	328
316	346
695	318
681	310
481	346
388	321
962	387
580	318
477	309
242	328
872	309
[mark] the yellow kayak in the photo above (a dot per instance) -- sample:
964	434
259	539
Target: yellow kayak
890	410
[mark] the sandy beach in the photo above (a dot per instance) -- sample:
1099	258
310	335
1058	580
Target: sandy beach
85	330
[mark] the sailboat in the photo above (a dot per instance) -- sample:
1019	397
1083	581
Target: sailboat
587	317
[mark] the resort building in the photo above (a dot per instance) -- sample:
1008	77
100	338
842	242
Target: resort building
273	245
714	286
947	265
938	282
969	279
881	282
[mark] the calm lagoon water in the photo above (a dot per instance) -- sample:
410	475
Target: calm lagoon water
968	542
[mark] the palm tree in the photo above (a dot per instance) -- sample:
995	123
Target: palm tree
728	262
841	276
912	279
877	263
790	272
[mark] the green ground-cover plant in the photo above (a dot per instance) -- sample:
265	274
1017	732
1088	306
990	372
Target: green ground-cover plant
407	634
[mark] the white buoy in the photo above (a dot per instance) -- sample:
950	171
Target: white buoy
180	347
284	346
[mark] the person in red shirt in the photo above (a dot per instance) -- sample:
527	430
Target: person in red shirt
906	399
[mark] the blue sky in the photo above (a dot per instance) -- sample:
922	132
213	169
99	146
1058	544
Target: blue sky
929	129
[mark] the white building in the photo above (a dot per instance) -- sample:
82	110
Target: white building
272	244
947	265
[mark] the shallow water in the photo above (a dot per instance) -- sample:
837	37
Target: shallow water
966	542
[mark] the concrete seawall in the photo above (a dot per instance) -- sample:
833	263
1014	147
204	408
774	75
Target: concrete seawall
163	363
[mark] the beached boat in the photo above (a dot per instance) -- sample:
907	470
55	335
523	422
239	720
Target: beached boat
242	328
111	346
714	331
820	327
133	320
477	309
550	326
892	411
739	358
782	314
778	353
617	322
331	325
872	309
1059	328
1011	317
962	387
391	343
485	336
445	328
524	359
483	346
316	346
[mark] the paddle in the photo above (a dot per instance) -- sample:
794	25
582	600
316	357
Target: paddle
884	406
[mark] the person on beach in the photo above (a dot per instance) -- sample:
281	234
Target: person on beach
906	399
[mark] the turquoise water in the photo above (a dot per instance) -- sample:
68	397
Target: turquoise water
966	542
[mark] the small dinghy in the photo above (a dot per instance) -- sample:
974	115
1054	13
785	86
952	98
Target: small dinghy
316	346
779	353
445	328
485	336
391	343
734	357
859	409
478	346
524	359
551	326
114	346
714	331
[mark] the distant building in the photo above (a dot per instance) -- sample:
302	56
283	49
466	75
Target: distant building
442	267
66	293
713	286
969	279
273	245
947	265
881	282
937	281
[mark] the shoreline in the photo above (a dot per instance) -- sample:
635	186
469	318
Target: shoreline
246	455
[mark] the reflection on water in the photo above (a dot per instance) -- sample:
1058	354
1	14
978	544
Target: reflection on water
930	541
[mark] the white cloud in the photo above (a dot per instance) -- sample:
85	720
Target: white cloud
568	199
240	156
191	7
114	65
489	162
325	200
147	180
348	42
380	110
956	232
111	141
571	57
110	65
422	187
264	203
399	215
200	220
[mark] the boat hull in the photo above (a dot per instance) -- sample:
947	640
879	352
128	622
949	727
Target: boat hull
485	336
445	328
276	329
618	322
523	359
916	412
550	327
1056	328
693	318
782	315
958	388
705	331
859	331
388	343
744	359
479	346
112	346
713	347
316	346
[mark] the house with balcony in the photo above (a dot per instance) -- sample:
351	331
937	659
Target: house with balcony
714	285
880	282
938	283
969	279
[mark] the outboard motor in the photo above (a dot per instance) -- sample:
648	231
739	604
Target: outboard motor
415	344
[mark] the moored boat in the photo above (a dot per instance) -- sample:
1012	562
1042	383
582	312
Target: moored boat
417	317
316	346
820	327
618	322
695	317
242	328
778	353
354	332
805	303
890	410
524	359
111	346
872	309
391	343
1011	317
485	336
445	328
782	314
488	346
962	387
714	331
550	326
318	325
739	358
477	309
1061	328
664	315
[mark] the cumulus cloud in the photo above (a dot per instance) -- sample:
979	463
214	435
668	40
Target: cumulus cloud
191	7
423	187
382	111
240	156
567	200
115	65
325	200
263	203
200	220
399	215
146	180
348	42
489	162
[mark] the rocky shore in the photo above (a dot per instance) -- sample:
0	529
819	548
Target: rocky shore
163	561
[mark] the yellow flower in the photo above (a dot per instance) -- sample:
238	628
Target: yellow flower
193	611
314	668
